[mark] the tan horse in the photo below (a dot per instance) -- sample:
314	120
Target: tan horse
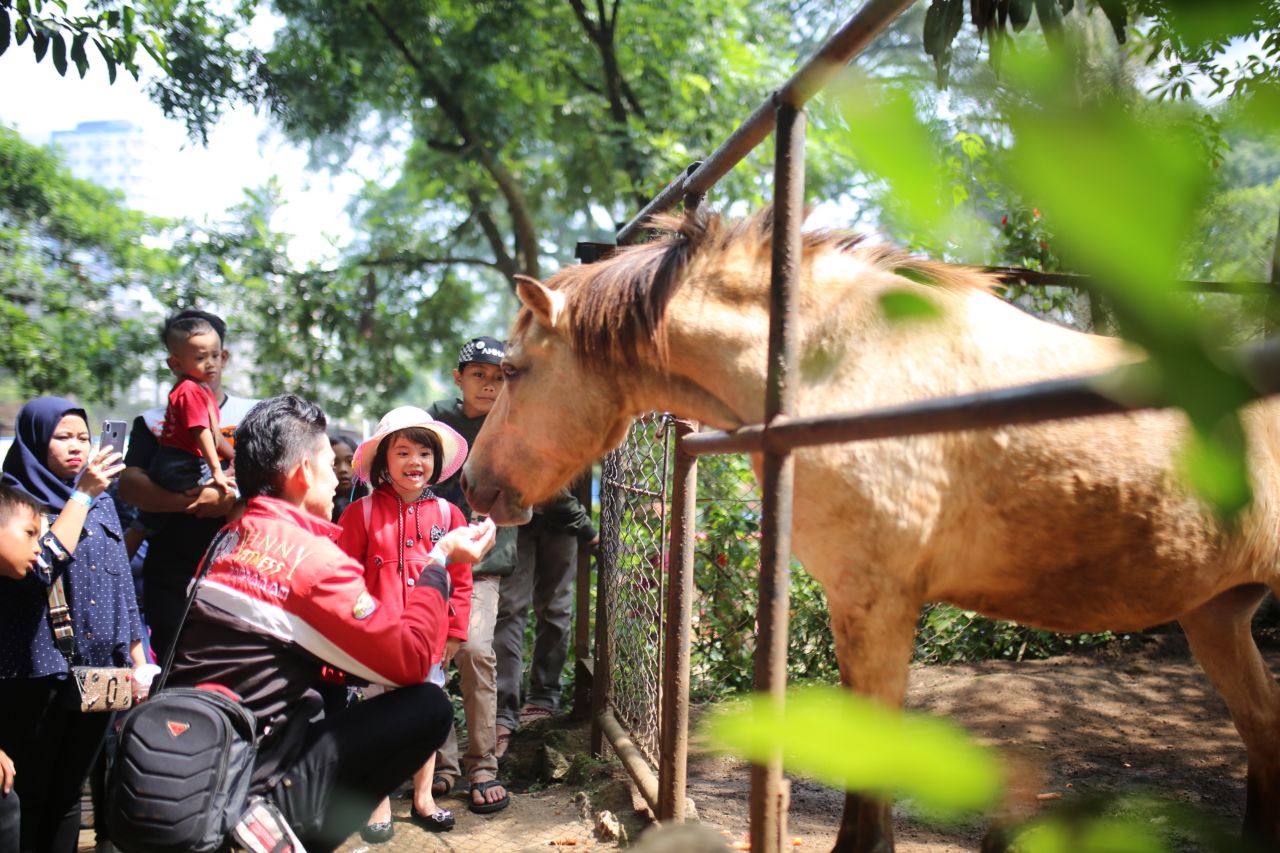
1077	525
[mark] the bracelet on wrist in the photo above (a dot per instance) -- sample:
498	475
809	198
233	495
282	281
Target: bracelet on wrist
82	498
437	555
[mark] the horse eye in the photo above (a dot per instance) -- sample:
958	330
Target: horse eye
509	370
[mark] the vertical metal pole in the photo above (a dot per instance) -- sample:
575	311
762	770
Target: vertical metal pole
1272	309
673	751
582	675
768	790
600	667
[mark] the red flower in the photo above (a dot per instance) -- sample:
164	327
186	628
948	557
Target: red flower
1044	247
1035	213
1004	220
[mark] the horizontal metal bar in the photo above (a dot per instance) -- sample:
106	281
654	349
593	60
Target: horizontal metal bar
634	490
1023	404
632	761
1089	283
816	72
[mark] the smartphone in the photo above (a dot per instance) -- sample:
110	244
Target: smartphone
113	433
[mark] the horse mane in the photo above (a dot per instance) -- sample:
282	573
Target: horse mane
616	306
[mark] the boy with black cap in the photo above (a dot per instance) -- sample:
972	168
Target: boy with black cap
479	377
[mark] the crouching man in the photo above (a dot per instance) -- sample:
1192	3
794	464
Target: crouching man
280	600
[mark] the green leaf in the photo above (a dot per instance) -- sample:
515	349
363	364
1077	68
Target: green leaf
107	58
20	31
78	55
906	305
59	53
128	14
4	29
1020	13
39	43
877	749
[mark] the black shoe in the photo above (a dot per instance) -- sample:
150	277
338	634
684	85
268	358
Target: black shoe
439	820
377	833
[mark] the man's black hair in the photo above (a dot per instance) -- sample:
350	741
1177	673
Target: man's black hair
193	321
272	439
11	498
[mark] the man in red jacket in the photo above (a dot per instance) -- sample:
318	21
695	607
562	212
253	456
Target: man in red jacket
281	599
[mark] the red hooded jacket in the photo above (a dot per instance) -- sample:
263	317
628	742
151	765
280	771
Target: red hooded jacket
393	538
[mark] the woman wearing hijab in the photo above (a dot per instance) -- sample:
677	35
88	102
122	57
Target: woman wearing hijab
52	744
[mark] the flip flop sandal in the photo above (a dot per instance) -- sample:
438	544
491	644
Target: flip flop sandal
440	820
531	713
441	785
487	808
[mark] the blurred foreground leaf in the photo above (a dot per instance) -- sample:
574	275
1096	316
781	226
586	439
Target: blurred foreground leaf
858	745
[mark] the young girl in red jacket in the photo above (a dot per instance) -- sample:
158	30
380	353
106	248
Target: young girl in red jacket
392	532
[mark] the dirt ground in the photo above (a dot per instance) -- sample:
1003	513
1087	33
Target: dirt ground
1137	715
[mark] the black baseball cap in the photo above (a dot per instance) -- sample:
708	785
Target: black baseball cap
482	350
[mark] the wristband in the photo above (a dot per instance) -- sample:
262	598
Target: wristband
437	556
82	498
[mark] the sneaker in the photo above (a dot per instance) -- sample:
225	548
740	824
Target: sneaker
262	829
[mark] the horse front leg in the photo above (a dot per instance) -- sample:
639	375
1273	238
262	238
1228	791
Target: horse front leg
874	630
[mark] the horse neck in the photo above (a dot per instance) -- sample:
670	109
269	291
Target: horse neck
717	353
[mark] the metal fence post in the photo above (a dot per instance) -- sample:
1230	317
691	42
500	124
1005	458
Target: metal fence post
583	676
674	728
769	793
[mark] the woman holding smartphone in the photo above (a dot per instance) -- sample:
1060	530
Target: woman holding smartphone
50	742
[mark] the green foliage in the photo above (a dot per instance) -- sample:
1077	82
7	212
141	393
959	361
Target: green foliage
69	253
349	337
54	33
882	750
947	634
726	568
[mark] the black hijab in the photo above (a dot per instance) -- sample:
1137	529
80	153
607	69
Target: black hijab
27	464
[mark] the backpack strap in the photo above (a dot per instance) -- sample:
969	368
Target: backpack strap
367	502
209	554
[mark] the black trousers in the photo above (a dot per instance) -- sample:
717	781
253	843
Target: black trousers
52	746
352	761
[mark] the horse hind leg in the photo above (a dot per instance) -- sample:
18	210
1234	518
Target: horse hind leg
1221	639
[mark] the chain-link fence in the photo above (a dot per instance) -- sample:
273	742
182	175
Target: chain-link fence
635	505
634	485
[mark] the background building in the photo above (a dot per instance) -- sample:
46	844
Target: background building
112	154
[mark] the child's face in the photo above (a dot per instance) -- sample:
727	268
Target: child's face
409	465
200	356
480	384
19	543
342	465
69	447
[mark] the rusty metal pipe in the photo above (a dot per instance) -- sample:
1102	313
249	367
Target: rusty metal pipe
854	35
632	760
768	821
674	728
1023	404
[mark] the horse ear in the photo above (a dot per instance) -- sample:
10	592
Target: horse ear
547	305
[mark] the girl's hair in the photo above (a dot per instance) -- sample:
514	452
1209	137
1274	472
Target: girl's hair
12	498
418	435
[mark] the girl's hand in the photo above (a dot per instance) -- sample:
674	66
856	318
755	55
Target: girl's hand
7	772
470	543
102	468
451	646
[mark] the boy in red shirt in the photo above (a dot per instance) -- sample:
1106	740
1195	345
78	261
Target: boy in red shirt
192	445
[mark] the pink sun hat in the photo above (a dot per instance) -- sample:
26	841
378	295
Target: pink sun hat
403	417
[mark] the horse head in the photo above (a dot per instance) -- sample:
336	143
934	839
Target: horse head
553	417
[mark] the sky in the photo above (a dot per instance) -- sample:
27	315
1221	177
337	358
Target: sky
188	179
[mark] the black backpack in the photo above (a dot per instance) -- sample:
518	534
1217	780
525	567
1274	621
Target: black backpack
181	779
184	762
